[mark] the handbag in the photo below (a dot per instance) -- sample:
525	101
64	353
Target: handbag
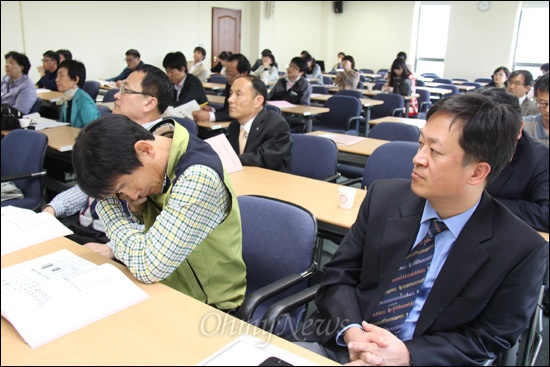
10	117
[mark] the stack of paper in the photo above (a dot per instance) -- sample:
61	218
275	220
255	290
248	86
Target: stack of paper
53	295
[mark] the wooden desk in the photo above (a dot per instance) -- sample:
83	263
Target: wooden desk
439	92
356	154
218	88
462	88
215	98
214	125
61	138
169	328
49	96
306	111
319	197
419	123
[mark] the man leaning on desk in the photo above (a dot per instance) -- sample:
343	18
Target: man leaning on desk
260	137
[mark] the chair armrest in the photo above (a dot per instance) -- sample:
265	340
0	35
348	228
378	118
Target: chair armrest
351	181
23	175
332	178
395	110
285	305
355	119
254	299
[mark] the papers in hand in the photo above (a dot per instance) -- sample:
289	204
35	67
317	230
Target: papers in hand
53	295
248	350
185	110
39	122
229	158
23	228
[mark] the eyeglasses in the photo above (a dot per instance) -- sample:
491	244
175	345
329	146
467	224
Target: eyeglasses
543	104
123	90
517	83
130	60
47	60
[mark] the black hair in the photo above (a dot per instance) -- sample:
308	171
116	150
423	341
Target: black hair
20	59
134	53
75	69
175	60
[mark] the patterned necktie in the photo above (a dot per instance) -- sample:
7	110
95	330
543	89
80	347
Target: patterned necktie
242	140
398	300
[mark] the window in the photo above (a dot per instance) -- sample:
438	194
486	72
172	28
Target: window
431	42
532	39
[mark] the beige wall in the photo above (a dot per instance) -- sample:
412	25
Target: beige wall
98	33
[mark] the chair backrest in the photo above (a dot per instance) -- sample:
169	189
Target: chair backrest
23	153
390	160
110	95
442	81
36	105
460	79
394	131
453	88
327	80
221	79
273	108
423	99
429	75
382	71
483	80
103	110
349	92
278	240
190	125
419	83
367	71
343	117
378	85
319	89
362	78
394	105
314	157
360	85
92	88
474	84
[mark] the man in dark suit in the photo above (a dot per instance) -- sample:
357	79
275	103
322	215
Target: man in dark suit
187	87
523	185
481	287
261	138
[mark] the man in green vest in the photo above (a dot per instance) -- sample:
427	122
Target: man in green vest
180	191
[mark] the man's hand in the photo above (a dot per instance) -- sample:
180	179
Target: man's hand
41	70
101	249
380	348
202	115
48	209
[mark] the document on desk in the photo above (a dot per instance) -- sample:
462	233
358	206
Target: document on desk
248	350
185	110
55	294
346	140
281	104
225	151
23	228
41	123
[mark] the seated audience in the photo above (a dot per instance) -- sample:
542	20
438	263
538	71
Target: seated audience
338	66
219	68
64	55
260	137
399	70
519	84
294	88
349	77
78	107
48	70
523	185
259	62
17	89
537	125
196	67
313	74
500	77
187	87
268	72
133	62
481	289
178	189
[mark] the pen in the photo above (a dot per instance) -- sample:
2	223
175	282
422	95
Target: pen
204	104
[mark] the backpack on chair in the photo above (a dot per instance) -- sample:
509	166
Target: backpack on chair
10	117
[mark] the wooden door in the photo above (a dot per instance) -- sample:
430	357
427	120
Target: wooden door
226	32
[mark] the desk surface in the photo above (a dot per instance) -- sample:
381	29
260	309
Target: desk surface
319	197
365	147
169	328
49	95
415	122
214	98
434	90
463	88
62	137
365	102
213	86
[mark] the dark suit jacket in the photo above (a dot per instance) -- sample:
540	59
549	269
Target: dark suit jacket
523	185
268	144
192	90
223	114
481	301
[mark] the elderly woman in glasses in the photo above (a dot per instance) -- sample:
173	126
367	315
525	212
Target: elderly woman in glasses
78	107
17	89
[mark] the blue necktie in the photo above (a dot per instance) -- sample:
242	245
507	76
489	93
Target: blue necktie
398	300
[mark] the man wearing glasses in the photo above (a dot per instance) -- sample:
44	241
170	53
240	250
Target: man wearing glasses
536	125
133	60
48	70
519	84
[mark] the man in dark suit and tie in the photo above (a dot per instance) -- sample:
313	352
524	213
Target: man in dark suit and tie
187	87
260	137
482	282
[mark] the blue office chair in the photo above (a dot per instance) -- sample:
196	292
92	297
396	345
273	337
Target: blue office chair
275	109
453	88
319	89
314	157
110	95
460	79
382	72
429	75
344	116
442	81
367	71
394	105
103	110
362	78
378	85
483	80
220	79
36	106
474	84
350	92
424	103
327	80
360	85
92	88
23	153
278	250
419	83
190	125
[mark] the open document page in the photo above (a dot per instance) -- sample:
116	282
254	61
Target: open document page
55	294
225	151
185	110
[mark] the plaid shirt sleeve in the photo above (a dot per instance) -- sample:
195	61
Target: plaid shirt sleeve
69	202
198	203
